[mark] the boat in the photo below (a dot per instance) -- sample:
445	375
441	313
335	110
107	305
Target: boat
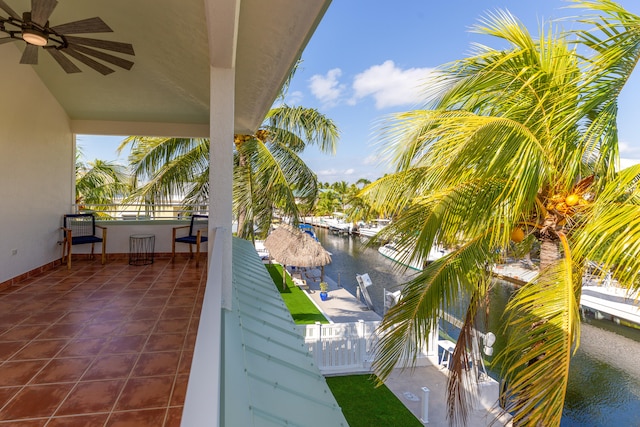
369	230
338	225
308	228
391	251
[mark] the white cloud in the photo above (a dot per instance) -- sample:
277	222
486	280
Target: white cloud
625	163
294	98
391	86
349	171
629	150
372	159
327	172
327	89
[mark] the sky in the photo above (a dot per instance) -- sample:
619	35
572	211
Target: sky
368	59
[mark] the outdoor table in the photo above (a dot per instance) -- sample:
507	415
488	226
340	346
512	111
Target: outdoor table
141	247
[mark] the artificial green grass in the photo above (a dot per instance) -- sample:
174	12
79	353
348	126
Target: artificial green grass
302	309
365	405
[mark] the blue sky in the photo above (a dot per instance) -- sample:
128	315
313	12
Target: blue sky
367	58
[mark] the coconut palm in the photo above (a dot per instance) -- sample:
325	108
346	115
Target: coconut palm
100	183
268	172
518	145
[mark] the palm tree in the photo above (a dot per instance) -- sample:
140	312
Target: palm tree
268	173
100	183
517	144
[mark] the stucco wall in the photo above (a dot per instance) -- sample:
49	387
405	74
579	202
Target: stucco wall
36	168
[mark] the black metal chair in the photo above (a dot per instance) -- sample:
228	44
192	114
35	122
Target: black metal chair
80	229
196	228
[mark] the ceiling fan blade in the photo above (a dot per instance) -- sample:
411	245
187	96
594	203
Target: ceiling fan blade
30	55
7	40
8	9
89	25
122	63
63	61
102	69
41	10
102	44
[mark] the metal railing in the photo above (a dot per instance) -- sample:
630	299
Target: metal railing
142	212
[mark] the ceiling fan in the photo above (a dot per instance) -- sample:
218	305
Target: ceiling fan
33	27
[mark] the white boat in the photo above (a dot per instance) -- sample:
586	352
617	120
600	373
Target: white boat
402	257
371	229
338	225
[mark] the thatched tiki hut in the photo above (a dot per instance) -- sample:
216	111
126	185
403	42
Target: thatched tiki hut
291	246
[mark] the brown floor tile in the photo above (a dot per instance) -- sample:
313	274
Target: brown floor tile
91	397
79	421
19	372
185	362
152	302
22	332
40	349
101	329
60	330
41	422
144	313
165	342
35	401
77	317
44	318
6	393
95	323
149	392
11	319
155	364
83	347
174	416
148	418
62	370
111	314
182	300
125	344
172	326
110	367
136	327
9	348
33	306
179	390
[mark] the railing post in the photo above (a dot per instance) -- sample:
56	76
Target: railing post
425	406
362	342
317	350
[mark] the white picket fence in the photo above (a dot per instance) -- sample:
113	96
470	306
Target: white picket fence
342	348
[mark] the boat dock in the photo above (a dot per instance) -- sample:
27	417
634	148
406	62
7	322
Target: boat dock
600	296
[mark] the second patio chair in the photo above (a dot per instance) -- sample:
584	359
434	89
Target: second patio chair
197	229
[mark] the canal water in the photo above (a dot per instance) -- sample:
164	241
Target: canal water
604	380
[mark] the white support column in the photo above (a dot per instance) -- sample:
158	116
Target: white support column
221	169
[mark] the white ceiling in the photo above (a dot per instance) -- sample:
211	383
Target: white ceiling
169	83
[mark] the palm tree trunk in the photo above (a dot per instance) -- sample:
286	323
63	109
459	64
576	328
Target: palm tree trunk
242	211
549	243
549	252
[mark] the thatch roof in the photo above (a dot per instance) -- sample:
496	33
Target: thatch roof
290	246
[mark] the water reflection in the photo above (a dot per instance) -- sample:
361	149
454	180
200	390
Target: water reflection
604	379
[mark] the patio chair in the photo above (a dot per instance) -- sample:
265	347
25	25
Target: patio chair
196	228
80	229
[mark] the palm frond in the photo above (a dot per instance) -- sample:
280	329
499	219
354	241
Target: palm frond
543	322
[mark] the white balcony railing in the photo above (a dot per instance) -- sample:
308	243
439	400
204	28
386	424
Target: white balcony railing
148	211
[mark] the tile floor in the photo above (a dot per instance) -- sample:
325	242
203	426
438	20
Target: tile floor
99	345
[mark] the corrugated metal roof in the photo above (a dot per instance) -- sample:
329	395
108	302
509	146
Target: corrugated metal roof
269	377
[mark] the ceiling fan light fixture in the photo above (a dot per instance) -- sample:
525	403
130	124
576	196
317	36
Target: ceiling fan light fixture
34	37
